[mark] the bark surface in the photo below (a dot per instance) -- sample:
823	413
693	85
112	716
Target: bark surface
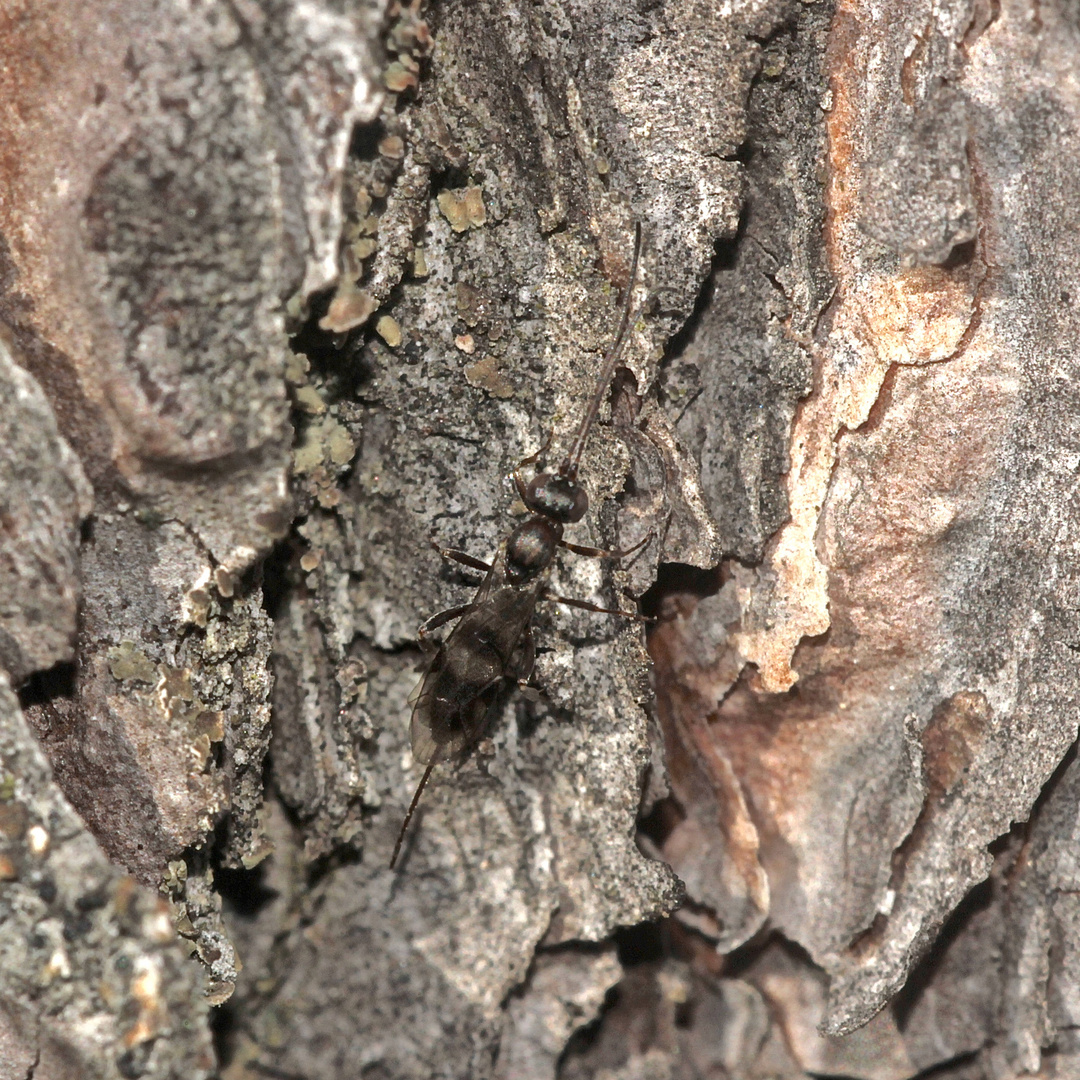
288	288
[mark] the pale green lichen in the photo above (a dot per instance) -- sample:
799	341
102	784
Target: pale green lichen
341	445
463	208
321	443
387	328
128	662
309	399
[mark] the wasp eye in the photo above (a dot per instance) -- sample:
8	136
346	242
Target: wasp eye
556	497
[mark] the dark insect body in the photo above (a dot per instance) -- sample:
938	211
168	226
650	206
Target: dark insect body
492	641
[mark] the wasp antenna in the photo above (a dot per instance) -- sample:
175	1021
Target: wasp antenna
570	465
409	813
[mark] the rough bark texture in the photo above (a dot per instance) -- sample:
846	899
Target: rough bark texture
288	287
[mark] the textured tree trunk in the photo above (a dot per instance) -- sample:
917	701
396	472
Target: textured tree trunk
288	288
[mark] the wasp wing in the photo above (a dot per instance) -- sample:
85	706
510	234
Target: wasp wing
424	746
448	716
453	701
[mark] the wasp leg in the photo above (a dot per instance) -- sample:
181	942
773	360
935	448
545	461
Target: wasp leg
440	619
530	460
585	605
600	553
462	557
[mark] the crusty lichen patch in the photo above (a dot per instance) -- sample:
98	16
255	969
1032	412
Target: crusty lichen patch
89	959
385	198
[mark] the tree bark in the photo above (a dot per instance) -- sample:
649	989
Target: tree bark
286	292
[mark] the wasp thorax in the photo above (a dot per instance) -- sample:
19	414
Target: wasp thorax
556	497
530	548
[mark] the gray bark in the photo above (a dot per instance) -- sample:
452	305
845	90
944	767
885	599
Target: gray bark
286	291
